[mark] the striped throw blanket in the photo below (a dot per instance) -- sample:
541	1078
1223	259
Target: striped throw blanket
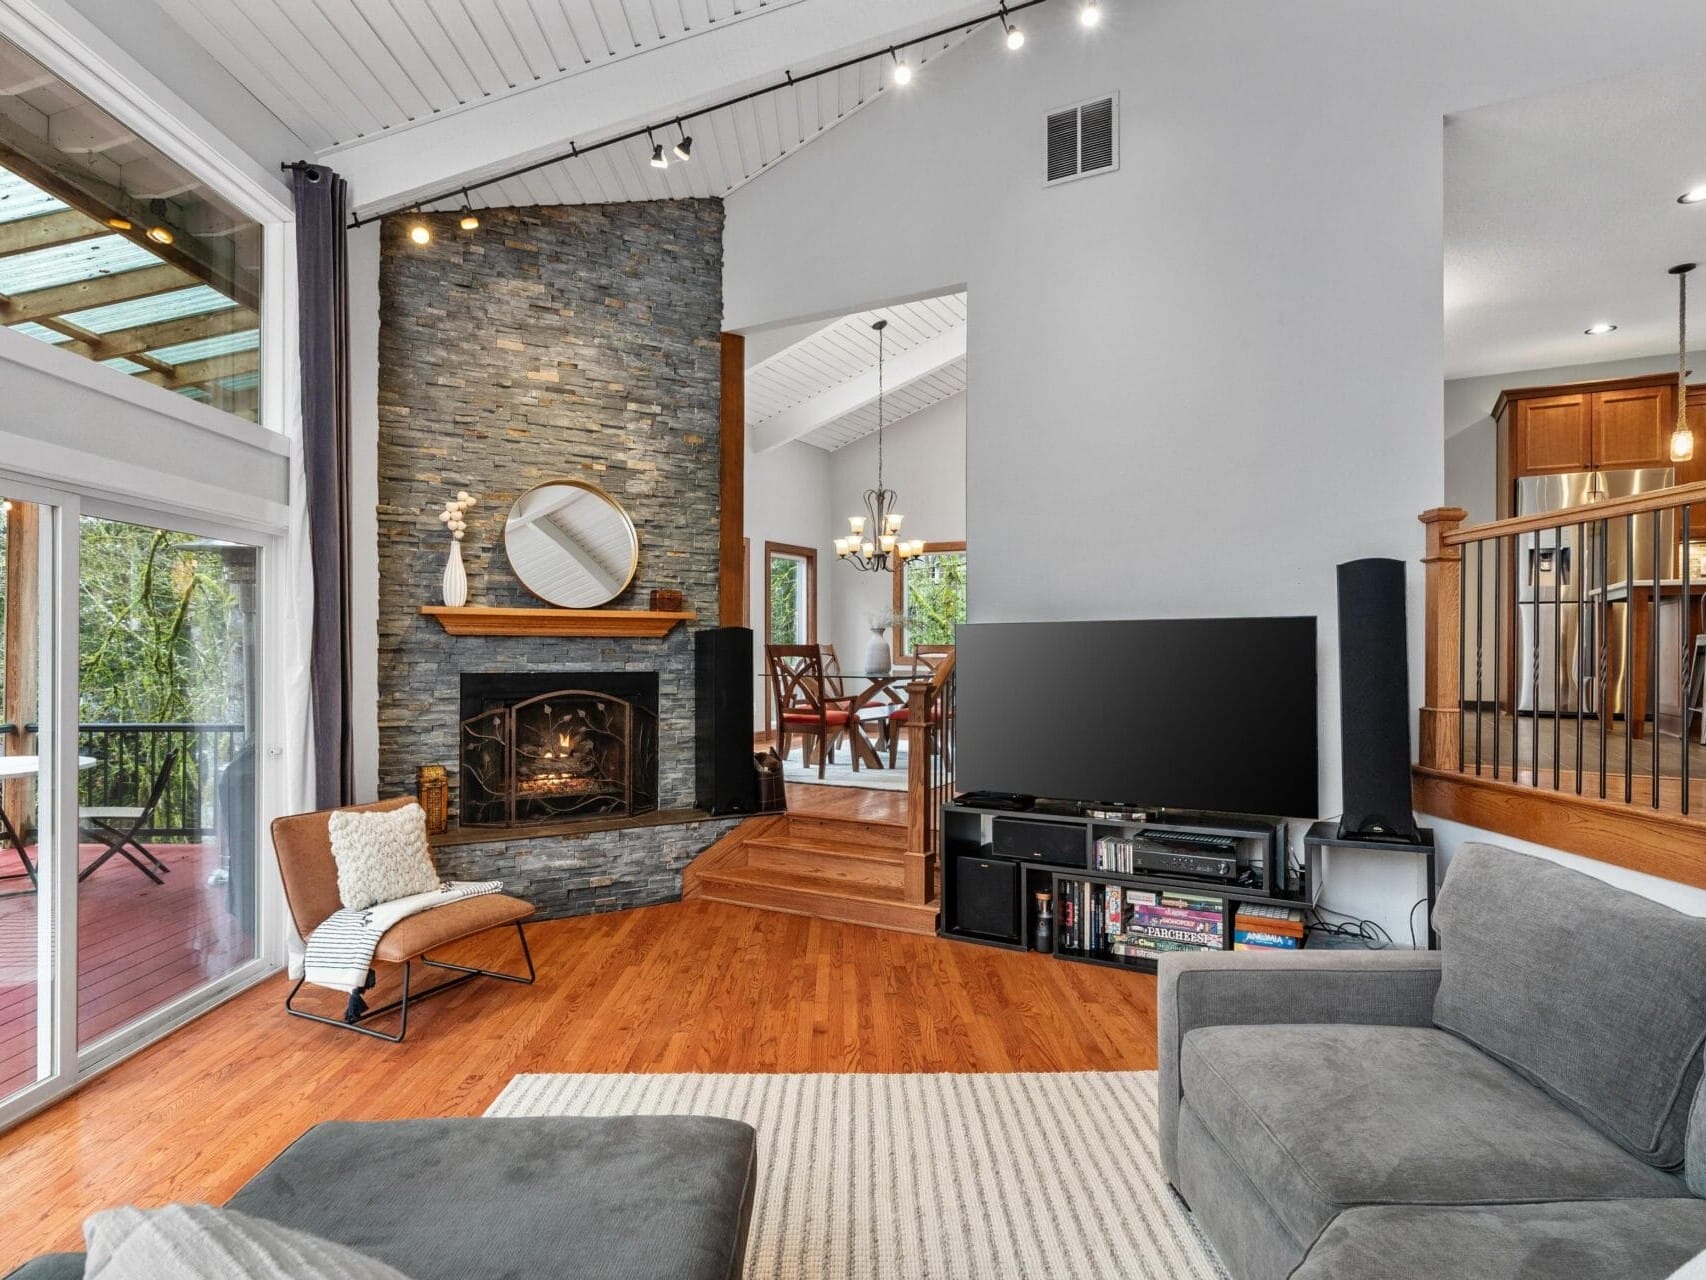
340	952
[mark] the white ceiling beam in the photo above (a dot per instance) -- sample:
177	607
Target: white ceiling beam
402	165
928	357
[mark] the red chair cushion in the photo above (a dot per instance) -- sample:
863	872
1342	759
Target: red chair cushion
900	715
830	716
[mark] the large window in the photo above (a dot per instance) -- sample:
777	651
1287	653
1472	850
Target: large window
930	591
790	590
110	250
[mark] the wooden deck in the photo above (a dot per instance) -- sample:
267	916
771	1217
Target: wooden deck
140	944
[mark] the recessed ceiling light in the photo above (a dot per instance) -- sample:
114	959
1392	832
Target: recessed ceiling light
1600	329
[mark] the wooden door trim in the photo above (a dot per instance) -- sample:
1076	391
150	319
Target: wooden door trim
731	482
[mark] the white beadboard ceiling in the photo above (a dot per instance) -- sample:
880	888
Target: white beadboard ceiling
340	72
819	390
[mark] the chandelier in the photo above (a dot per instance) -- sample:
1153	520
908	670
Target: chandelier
875	543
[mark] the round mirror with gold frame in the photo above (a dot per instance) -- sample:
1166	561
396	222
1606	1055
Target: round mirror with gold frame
571	544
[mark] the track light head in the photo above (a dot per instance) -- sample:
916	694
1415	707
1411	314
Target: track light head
684	148
1091	14
420	233
659	160
902	71
1015	38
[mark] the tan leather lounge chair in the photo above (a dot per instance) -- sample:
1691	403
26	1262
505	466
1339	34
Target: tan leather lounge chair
303	843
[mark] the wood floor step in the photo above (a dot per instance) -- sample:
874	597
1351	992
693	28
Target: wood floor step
847	831
811	895
868	865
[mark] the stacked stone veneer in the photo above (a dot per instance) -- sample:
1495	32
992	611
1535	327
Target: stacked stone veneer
555	341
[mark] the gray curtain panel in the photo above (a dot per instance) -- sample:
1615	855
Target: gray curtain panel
322	280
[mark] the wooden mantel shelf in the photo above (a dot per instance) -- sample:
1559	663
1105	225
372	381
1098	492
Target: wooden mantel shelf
477	620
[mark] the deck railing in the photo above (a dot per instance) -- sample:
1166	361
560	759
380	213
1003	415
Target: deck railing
929	773
128	757
1563	657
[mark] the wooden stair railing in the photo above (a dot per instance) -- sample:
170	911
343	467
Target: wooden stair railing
929	773
1654	818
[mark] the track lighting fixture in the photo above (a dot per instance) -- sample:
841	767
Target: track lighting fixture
120	224
159	233
469	221
901	74
419	232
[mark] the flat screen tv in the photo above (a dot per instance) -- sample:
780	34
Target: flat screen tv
1190	713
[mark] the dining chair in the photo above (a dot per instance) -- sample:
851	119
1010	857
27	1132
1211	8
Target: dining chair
116	827
930	657
805	709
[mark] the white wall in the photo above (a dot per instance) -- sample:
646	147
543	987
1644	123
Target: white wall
787	500
924	462
1211	376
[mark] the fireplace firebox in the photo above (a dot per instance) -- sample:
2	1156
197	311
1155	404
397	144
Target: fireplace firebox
540	747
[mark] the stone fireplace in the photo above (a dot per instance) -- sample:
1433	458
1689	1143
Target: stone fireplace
561	342
542	747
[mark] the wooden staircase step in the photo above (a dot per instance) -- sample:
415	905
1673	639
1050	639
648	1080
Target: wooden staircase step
841	832
825	898
867	865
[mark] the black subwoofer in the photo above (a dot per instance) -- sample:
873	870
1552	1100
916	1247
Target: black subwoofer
986	898
1374	702
725	778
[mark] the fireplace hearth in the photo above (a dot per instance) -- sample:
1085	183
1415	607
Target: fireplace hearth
545	747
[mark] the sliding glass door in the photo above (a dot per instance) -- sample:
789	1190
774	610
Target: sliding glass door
34	1049
166	898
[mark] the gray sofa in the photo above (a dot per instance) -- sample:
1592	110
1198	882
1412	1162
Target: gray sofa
1524	1102
623	1198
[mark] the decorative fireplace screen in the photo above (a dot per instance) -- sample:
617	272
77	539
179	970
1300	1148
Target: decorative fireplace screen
554	757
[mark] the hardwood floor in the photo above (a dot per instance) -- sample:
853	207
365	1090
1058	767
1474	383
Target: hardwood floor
692	986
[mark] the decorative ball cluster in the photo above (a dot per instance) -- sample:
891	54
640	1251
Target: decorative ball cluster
454	515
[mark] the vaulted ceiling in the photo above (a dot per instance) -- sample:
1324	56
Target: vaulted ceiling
410	97
822	389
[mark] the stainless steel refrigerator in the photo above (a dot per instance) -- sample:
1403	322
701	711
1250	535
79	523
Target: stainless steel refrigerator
1558	568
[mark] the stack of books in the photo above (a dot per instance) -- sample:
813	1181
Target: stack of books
1264	928
1152	922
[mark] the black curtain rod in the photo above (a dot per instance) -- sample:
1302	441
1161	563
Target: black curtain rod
789	79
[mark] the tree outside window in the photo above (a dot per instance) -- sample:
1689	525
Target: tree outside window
930	590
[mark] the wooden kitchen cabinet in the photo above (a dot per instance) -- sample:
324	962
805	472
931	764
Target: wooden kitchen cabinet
1632	426
1614	425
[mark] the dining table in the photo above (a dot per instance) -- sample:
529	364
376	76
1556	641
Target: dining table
874	689
13	767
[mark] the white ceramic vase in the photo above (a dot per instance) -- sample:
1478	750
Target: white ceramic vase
455	578
878	656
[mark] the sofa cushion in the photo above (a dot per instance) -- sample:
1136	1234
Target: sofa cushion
1326	1116
1591	992
1584	1240
597	1198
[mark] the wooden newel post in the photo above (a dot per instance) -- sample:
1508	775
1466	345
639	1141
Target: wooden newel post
1442	640
918	791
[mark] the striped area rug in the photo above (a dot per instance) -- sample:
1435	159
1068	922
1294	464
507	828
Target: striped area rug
903	1177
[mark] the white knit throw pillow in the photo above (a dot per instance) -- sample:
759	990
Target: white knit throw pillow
382	855
200	1242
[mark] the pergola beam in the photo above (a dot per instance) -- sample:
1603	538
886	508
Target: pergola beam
79	295
68	226
169	333
195	373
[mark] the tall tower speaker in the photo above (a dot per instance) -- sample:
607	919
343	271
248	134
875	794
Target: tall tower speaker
1374	702
725	780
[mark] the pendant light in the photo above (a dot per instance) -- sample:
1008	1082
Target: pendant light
1682	435
875	544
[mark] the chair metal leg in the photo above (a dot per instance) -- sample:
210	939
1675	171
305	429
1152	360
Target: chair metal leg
401	1005
17	842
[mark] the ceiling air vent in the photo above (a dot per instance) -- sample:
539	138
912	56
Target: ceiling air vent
1082	140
